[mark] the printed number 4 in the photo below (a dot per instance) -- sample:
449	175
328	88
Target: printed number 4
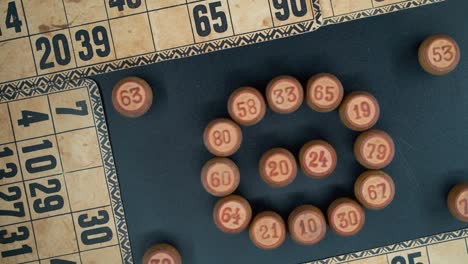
12	19
411	259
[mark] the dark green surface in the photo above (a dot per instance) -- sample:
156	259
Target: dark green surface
159	156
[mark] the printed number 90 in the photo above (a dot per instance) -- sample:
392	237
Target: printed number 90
285	7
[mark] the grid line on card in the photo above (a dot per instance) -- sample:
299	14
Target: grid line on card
24	185
63	174
271	13
190	20
230	18
427	254
333	9
28	36
466	244
69	33
150	26
62	214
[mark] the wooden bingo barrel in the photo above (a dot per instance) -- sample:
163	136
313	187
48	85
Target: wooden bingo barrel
307	225
220	176
374	149
359	111
346	217
374	189
267	230
458	202
246	106
222	137
232	214
324	92
132	97
278	167
439	54
163	254
317	158
284	94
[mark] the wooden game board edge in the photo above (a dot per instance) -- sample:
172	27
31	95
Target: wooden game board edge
391	8
104	146
400	246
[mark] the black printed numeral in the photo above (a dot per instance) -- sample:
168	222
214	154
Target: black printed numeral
30	117
60	48
41	163
411	259
285	7
10	169
49	203
12	19
98	38
14	194
21	235
61	261
132	4
206	19
98	233
81	111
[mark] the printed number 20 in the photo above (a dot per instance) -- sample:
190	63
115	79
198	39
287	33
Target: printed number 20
202	20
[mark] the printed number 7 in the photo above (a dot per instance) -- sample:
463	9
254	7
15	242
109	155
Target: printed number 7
411	259
82	111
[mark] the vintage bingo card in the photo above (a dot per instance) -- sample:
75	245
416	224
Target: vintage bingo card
56	40
60	199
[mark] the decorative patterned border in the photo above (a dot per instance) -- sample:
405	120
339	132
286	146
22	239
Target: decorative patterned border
405	245
377	11
105	146
177	53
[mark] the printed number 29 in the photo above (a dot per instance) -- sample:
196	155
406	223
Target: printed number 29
411	259
203	22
